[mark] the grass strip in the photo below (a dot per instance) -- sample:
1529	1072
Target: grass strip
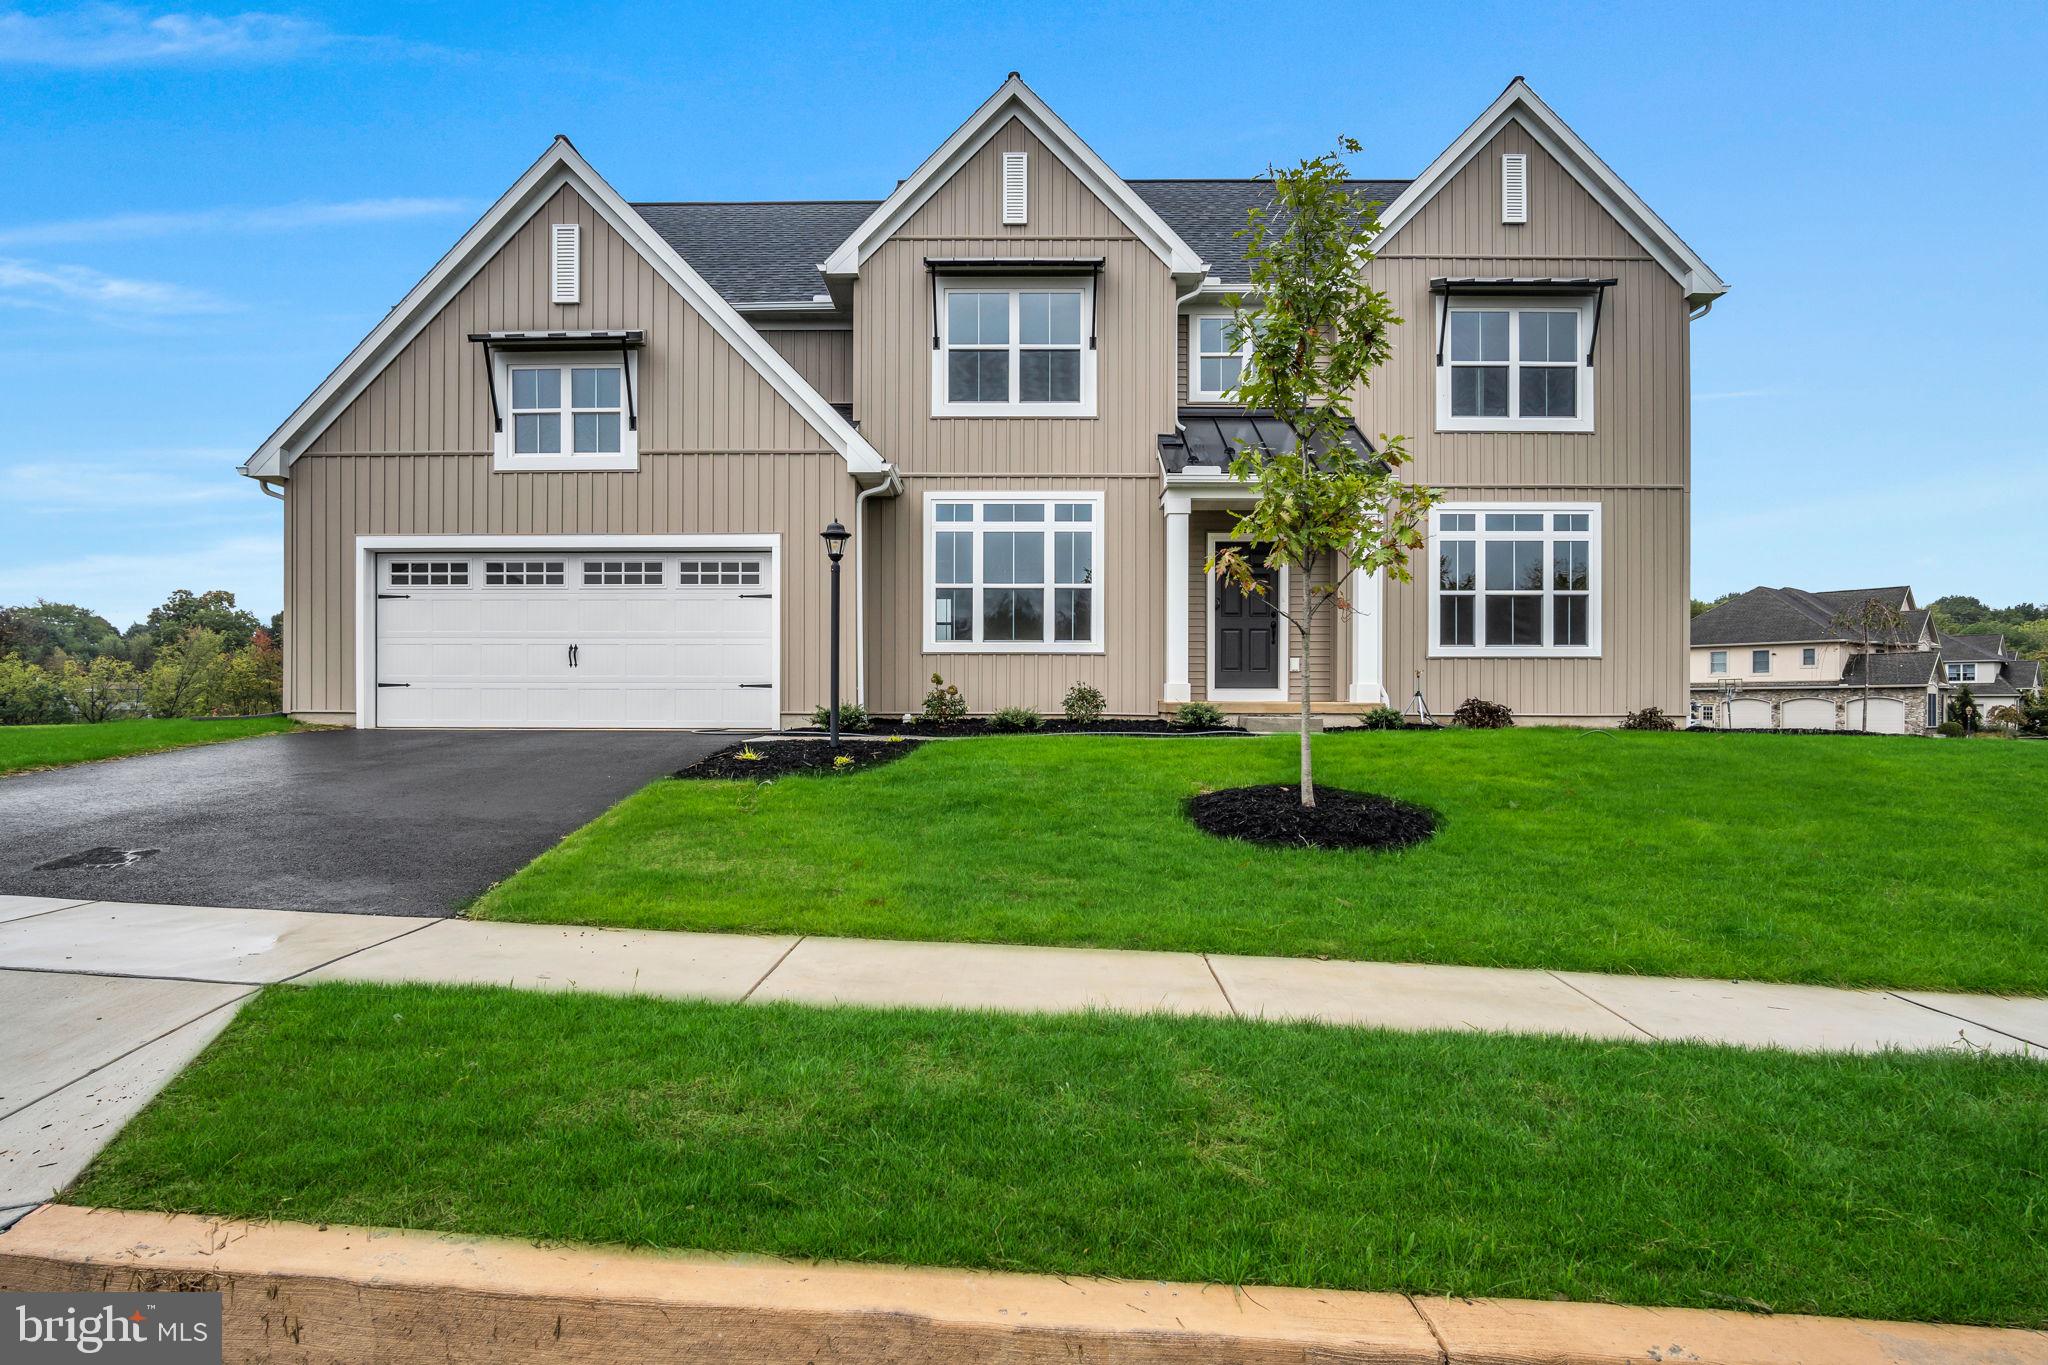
1891	1186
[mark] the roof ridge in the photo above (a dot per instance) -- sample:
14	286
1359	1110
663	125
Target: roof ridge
734	203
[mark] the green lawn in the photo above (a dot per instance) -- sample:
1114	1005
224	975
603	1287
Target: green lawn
1894	1186
1844	860
50	746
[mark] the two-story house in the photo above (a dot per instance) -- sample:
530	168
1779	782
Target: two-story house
577	475
1995	675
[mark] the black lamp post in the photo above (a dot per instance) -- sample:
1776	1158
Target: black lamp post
835	537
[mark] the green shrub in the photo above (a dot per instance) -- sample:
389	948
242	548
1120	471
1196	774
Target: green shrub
852	716
1198	715
1015	718
2034	713
1084	704
29	695
1476	714
187	677
943	704
1649	718
1381	718
102	689
1953	729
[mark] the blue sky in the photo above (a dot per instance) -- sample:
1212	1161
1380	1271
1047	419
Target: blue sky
207	209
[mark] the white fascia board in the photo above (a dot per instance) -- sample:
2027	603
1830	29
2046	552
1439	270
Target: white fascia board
560	165
1520	104
1013	98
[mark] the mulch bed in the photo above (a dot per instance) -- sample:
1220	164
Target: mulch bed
980	726
781	758
1340	819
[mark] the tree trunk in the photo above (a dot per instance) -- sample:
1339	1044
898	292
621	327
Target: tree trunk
1308	779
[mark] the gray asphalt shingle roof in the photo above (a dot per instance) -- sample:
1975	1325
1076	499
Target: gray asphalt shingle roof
1966	647
1792	615
1904	668
768	252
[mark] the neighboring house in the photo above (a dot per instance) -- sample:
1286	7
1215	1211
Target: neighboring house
1995	675
1786	659
576	476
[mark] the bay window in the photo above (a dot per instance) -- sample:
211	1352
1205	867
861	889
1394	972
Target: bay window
1014	349
564	412
1520	579
1515	365
1010	574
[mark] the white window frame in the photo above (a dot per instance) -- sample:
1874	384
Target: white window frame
1196	393
503	362
1809	657
1015	286
1769	656
1211	691
1717	662
1595	577
1097	609
1515	305
1961	673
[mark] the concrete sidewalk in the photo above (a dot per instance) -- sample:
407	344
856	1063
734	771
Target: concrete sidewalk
101	1002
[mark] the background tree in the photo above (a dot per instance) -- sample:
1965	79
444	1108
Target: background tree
186	678
99	690
1872	621
1699	607
1962	709
38	633
214	610
1317	330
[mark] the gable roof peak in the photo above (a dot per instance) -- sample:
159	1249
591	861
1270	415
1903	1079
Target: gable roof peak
1012	99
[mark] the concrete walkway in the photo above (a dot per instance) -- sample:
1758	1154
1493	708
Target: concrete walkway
102	1002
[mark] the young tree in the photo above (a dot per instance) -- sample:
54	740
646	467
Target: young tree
1317	330
1872	621
97	690
1963	710
186	678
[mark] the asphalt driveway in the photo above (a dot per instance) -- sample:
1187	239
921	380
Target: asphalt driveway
385	822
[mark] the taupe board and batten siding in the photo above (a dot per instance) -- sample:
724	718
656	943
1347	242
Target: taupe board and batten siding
822	355
695	392
1114	452
1636	463
721	452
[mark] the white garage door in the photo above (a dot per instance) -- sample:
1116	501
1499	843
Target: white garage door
1887	716
604	639
1807	713
1749	715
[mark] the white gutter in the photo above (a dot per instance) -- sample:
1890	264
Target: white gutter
892	484
265	482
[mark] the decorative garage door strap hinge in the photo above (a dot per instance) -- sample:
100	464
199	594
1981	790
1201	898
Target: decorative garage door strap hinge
757	684
758	594
385	684
394	597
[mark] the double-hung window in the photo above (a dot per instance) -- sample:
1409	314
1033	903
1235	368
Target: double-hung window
564	412
1216	357
1519	579
1009	574
1760	661
1014	349
1717	661
1962	672
1515	366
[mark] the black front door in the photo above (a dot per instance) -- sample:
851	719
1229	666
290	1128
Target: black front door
1247	631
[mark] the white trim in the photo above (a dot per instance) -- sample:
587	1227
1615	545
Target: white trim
1196	393
1519	104
368	547
1098	612
1285	670
1515	306
504	460
1012	99
1016	188
1368	681
560	165
1595	573
1176	508
1015	287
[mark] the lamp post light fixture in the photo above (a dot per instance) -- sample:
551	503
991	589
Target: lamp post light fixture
835	537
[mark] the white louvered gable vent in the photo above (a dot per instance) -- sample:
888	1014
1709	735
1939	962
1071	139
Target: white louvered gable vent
568	262
1514	188
1015	186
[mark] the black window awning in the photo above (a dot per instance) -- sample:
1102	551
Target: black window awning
622	342
1090	266
1535	286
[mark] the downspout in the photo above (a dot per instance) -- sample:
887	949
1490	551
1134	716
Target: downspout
265	483
892	485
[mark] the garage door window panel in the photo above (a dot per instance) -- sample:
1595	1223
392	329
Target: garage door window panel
429	573
523	573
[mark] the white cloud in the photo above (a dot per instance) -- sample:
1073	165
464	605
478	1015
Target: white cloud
123	587
121	35
275	218
144	481
28	284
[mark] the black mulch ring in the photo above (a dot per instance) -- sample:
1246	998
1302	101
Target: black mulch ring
1339	819
780	758
980	726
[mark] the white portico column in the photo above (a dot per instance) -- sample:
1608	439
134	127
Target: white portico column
1368	626
1175	506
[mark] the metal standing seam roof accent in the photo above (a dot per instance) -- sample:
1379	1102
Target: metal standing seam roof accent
1212	436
